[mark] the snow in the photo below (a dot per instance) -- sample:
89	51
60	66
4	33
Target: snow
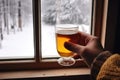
48	41
21	43
18	44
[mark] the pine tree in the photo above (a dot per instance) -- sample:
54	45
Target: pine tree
49	11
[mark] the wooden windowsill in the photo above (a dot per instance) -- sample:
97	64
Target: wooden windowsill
54	73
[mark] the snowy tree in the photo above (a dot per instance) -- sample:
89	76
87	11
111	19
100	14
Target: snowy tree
13	13
26	10
75	11
86	7
5	12
49	11
70	11
20	10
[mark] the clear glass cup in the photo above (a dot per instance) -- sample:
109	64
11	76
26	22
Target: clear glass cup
64	33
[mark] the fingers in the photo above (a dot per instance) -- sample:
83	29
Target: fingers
74	47
76	56
84	38
83	34
95	44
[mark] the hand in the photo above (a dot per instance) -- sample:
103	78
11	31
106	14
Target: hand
88	47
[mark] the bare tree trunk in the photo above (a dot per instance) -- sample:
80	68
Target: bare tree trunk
1	33
12	7
7	23
1	30
19	16
5	6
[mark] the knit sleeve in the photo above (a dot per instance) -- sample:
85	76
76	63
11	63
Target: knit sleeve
98	62
110	70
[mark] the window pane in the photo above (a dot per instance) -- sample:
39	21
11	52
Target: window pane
75	11
16	29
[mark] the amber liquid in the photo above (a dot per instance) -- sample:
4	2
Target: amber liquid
61	37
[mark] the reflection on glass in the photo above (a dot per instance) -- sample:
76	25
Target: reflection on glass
16	29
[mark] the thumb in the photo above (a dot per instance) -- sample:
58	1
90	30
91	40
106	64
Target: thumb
74	47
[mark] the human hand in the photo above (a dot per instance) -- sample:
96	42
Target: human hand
88	47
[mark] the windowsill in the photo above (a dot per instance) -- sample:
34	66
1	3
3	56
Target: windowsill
54	73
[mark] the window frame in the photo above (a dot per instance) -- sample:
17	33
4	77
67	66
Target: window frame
38	63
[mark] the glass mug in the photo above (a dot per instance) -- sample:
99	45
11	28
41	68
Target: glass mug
64	33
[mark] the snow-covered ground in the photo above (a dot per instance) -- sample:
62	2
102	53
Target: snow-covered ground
21	44
18	44
48	41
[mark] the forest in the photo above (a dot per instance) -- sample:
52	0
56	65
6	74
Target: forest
13	16
16	24
70	11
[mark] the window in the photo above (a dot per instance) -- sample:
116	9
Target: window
42	20
72	12
16	29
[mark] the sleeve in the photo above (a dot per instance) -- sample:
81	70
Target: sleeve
110	70
98	62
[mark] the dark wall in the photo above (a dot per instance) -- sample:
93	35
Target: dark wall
112	42
117	37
